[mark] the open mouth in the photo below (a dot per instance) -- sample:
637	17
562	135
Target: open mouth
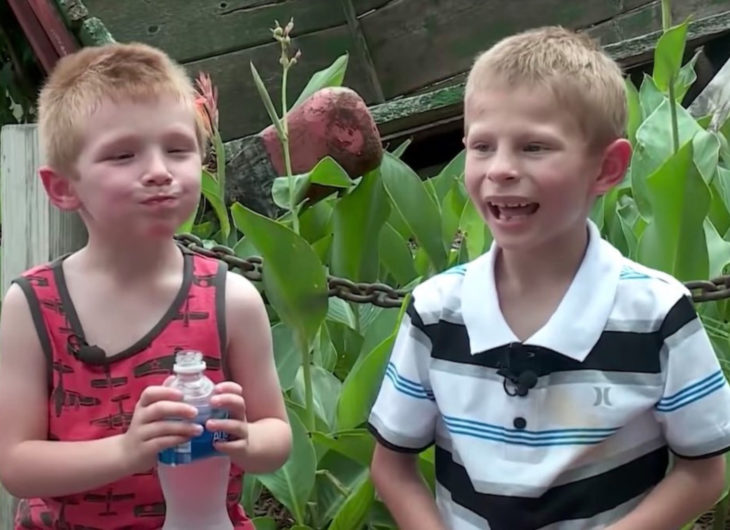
512	210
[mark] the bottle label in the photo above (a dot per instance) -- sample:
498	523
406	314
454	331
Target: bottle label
199	447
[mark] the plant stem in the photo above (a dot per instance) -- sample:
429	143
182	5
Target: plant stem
721	510
285	148
666	24
339	486
307	373
666	14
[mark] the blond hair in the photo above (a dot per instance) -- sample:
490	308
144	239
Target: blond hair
582	77
117	72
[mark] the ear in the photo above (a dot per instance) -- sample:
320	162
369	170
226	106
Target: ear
615	161
59	189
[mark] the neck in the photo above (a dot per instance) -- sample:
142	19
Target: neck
131	261
555	261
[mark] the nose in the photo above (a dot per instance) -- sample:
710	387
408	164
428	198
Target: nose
502	167
157	173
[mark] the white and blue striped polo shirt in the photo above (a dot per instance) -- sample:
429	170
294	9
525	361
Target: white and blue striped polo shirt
625	373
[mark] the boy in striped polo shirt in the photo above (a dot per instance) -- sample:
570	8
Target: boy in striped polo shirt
563	386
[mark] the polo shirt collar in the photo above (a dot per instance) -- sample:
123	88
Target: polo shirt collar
577	323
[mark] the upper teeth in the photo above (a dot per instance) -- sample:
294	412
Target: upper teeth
513	204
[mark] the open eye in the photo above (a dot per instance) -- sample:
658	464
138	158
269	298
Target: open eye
535	147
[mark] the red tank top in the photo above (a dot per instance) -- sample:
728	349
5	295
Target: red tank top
89	401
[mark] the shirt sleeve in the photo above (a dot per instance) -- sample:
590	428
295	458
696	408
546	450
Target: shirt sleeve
403	417
694	409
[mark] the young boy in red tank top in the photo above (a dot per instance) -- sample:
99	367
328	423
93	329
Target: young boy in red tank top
87	341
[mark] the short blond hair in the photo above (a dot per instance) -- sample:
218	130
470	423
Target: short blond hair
82	81
583	78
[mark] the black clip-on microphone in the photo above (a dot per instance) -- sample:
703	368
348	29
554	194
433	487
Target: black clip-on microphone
85	352
521	382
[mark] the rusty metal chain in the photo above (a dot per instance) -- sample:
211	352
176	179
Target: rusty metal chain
377	294
383	295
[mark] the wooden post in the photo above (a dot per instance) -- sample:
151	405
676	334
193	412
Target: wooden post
33	231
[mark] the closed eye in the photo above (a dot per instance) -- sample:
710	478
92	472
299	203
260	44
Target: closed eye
120	156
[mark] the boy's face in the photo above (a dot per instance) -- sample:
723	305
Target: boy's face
139	169
530	170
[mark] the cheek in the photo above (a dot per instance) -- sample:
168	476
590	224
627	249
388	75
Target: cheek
472	178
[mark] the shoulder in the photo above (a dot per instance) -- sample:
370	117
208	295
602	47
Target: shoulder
242	297
649	293
441	293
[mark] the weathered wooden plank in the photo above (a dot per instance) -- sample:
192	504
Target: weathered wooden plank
192	30
33	231
648	18
416	43
409	113
232	74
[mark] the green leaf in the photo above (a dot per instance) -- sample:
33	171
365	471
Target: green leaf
211	192
634	117
292	484
332	76
718	250
650	96
280	190
686	77
286	355
328	172
416	206
354	511
325	354
398	151
325	387
266	100
674	241
340	311
706	149
357	221
632	224
452	206
668	56
721	189
475	232
322	247
451	173
395	255
251	492
347	344
355	444
361	386
337	477
293	276
315	222
264	523
384	324
654	147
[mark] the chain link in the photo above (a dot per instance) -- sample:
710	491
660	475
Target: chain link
383	295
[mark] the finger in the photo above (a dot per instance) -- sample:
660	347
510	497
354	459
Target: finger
166	442
234	428
228	387
154	393
232	447
165	410
234	404
162	429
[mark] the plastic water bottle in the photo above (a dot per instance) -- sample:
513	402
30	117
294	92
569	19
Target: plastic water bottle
193	475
